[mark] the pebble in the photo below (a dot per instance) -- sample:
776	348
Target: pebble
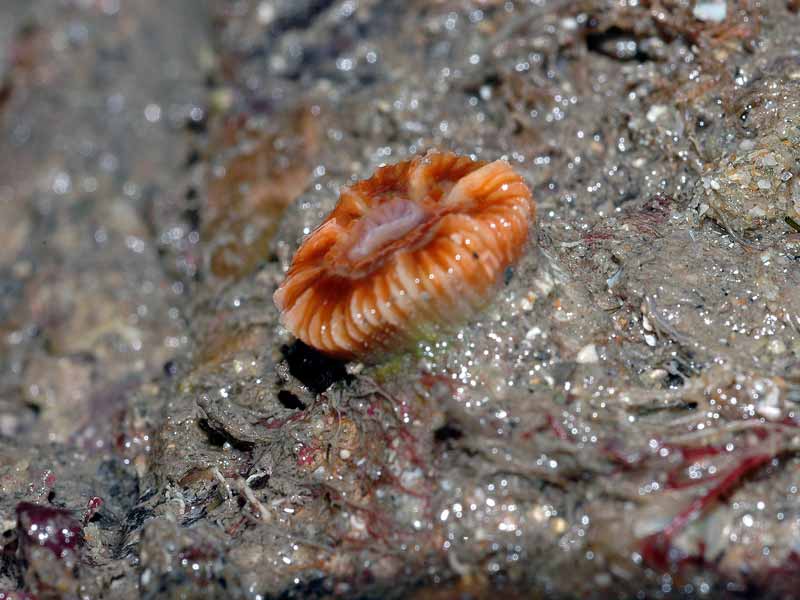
587	355
655	112
777	346
710	12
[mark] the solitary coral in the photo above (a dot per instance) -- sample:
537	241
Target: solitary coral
421	244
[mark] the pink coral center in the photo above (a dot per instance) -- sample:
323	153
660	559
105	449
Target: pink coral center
382	225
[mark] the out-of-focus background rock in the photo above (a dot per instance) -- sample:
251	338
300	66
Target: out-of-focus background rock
622	421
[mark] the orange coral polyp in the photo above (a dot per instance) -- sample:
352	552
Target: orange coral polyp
421	244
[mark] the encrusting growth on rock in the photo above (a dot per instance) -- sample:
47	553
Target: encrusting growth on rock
420	245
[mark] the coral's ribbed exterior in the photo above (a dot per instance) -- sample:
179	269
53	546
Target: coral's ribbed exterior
441	272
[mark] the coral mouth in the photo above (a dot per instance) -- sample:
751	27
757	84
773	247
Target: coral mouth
383	225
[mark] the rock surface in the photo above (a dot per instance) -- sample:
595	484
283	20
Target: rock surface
622	421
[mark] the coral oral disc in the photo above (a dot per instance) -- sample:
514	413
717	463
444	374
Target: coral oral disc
384	224
421	244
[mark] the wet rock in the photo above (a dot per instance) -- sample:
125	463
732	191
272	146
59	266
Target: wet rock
635	364
179	563
751	190
60	389
49	542
260	175
755	184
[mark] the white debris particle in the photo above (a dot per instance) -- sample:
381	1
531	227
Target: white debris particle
657	374
656	112
763	184
747	145
587	355
61	183
544	283
777	346
507	525
769	406
714	11
533	333
152	112
266	13
357	523
569	24
611	281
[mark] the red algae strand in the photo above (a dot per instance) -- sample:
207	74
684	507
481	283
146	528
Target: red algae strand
420	245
